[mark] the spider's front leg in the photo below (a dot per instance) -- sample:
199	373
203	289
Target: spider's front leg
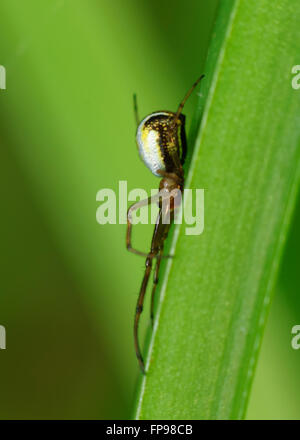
133	208
153	199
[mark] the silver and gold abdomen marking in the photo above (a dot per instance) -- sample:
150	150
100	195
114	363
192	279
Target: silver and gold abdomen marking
154	142
149	143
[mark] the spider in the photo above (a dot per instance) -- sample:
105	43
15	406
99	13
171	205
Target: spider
161	142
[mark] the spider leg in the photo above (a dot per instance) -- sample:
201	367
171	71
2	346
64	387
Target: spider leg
153	199
157	240
181	105
139	309
155	282
159	235
133	208
135	109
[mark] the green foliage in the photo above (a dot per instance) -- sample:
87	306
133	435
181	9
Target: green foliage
68	285
216	292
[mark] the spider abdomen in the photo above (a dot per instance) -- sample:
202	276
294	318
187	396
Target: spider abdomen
161	145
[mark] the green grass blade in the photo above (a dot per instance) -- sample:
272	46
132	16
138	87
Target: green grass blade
215	293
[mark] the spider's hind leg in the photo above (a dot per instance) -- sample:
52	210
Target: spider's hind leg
139	309
155	282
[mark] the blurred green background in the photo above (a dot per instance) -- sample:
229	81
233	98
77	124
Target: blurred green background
68	285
